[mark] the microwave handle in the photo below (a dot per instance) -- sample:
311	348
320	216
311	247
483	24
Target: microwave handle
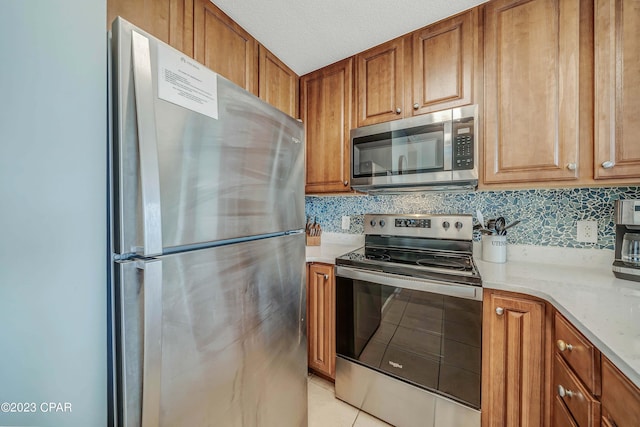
447	150
402	164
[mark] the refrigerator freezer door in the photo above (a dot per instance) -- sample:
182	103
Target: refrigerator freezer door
241	174
233	336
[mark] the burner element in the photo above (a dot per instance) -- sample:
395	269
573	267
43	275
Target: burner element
443	262
380	257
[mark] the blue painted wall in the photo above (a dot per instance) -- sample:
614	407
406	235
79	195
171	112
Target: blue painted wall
53	134
548	216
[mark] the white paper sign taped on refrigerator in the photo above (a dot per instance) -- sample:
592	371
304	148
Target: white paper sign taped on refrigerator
187	83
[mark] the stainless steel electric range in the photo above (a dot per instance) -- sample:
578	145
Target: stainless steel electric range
409	322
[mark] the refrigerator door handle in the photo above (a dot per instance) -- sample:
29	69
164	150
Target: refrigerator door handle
152	342
147	145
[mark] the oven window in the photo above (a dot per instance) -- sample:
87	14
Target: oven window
429	340
407	151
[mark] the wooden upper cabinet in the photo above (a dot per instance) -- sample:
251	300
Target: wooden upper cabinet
279	85
617	89
326	102
443	64
532	90
169	20
380	83
224	46
513	356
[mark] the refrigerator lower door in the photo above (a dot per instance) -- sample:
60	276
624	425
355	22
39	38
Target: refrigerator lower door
227	344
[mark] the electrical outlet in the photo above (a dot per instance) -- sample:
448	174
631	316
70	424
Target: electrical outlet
346	222
587	231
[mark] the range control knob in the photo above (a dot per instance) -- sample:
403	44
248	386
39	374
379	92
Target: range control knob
382	223
373	223
446	225
458	225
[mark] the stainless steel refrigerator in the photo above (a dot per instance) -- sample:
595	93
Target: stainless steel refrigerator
208	282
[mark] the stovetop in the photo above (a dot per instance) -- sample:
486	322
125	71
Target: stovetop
435	247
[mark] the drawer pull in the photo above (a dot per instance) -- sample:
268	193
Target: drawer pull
562	392
326	277
562	346
499	311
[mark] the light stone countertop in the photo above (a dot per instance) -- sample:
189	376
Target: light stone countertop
580	285
333	245
578	282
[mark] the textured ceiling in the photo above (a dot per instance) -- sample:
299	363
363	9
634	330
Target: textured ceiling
309	34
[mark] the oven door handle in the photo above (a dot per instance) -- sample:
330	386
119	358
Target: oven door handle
416	284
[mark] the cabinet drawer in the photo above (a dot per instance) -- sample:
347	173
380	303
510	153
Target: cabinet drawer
561	415
579	353
620	398
584	408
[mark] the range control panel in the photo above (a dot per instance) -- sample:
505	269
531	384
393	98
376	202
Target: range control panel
415	223
458	227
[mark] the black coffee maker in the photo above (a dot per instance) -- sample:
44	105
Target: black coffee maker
627	218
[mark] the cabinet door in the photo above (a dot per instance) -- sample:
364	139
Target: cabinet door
321	319
169	20
380	83
620	397
617	89
326	112
443	56
223	46
532	89
278	83
513	361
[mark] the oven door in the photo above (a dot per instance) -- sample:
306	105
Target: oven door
425	333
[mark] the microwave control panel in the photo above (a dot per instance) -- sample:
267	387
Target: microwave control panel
463	146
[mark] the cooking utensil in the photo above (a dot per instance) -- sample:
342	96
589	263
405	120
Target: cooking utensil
504	230
499	225
480	217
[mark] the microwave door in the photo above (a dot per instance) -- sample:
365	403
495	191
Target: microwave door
419	153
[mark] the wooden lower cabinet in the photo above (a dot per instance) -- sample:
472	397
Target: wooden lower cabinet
561	415
321	316
575	396
620	398
515	363
589	390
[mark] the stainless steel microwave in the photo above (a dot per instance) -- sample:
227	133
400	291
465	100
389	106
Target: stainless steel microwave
436	151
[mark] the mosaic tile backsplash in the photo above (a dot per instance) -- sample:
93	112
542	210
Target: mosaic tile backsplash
548	216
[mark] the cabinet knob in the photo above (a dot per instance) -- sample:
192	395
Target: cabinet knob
562	392
416	106
562	346
572	166
499	311
608	164
346	183
326	277
398	110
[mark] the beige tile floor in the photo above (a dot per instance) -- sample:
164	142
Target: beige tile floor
327	411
